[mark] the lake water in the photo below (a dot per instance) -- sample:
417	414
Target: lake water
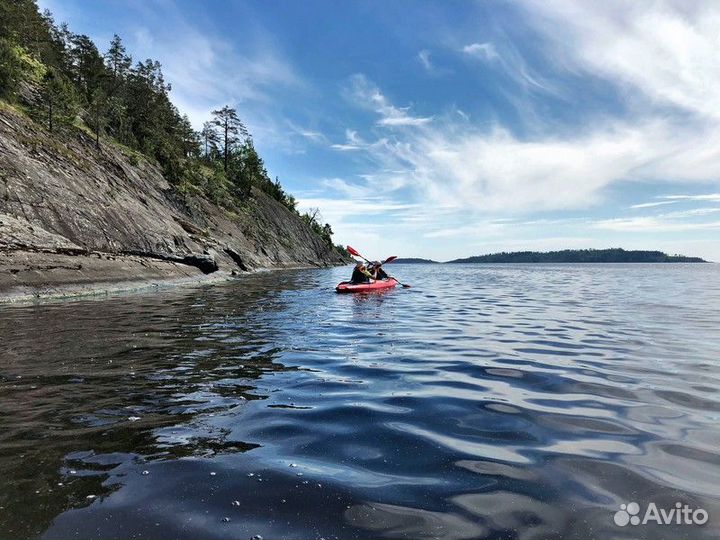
503	401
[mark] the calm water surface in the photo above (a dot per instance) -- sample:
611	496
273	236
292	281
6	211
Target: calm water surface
486	402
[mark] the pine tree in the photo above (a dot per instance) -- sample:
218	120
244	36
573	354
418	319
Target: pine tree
98	109
59	97
10	69
231	130
210	139
117	59
86	65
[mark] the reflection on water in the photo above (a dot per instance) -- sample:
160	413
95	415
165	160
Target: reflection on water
486	401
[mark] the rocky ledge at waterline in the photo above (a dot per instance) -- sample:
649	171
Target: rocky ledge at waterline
75	219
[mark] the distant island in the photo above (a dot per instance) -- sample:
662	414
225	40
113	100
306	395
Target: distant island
414	260
613	255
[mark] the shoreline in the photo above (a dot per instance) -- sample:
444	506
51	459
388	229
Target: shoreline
103	276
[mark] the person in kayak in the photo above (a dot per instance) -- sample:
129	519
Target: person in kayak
360	274
377	272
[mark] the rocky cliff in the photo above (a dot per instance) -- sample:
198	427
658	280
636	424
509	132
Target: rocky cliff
75	216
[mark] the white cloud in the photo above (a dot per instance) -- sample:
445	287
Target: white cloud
424	58
345	147
653	224
652	204
485	51
345	188
206	70
401	119
492	169
665	49
309	134
368	95
706	197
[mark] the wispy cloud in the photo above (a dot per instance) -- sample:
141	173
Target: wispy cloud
471	167
485	51
665	49
309	134
652	204
345	188
653	224
352	142
204	66
424	58
367	94
715	197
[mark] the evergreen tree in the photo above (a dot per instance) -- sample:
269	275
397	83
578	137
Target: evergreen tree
10	69
117	59
231	130
98	110
132	104
210	140
59	97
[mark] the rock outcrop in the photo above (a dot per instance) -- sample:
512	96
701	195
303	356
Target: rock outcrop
72	214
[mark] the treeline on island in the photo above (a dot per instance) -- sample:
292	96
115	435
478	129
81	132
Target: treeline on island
61	80
613	255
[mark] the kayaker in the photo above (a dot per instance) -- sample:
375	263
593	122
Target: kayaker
377	271
360	274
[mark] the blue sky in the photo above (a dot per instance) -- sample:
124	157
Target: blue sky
449	129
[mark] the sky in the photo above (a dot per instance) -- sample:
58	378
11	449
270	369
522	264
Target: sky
448	129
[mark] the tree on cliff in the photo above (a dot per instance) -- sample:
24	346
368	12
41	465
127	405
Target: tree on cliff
10	69
87	68
117	59
59	96
106	93
232	130
98	111
210	140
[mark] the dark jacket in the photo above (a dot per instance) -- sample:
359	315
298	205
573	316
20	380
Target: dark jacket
359	277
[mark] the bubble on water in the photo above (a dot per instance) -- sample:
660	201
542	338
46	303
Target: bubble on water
226	520
293	464
213	473
235	503
133	418
257	537
146	472
299	474
91	496
73	472
250	474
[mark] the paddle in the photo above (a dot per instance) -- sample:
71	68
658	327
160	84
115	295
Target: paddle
353	251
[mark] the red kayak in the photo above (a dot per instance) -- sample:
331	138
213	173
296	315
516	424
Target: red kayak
374	285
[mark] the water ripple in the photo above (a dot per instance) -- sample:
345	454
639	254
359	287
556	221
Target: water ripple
508	401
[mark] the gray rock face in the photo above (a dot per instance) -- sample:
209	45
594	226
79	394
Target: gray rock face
61	196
